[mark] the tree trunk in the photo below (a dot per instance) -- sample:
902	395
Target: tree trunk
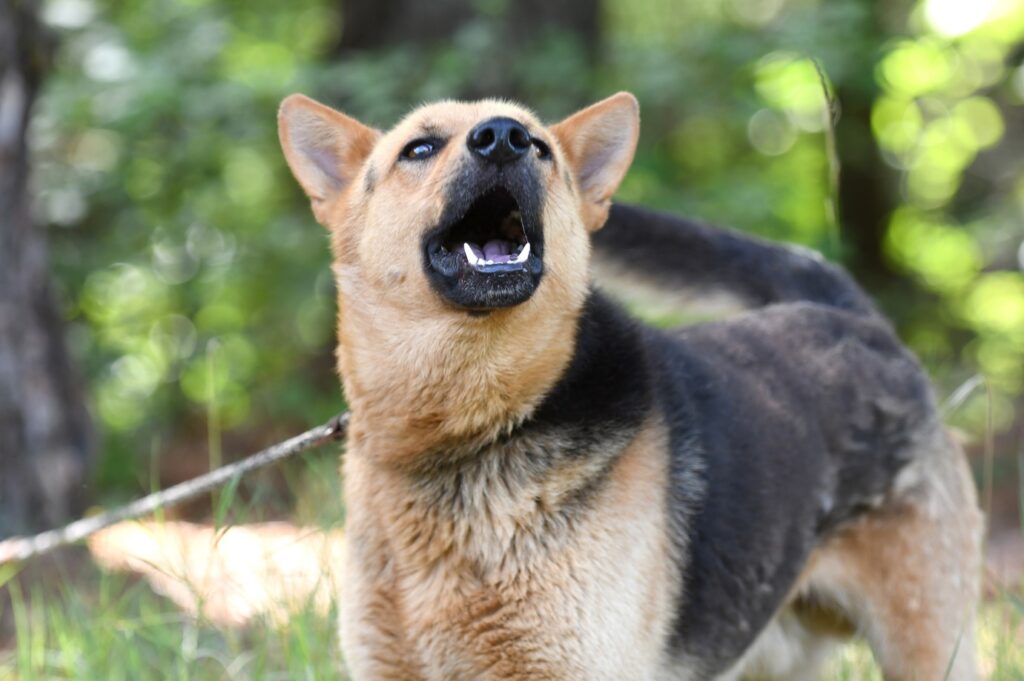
45	434
868	186
867	194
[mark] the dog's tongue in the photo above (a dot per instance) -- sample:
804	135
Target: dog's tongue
498	250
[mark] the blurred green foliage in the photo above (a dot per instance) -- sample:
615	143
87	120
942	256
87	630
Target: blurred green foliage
197	282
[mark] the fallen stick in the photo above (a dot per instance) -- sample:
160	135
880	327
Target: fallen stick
22	548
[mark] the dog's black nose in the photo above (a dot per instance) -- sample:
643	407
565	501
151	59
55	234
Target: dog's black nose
499	140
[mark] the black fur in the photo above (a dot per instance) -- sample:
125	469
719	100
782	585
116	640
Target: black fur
801	417
785	423
601	390
682	253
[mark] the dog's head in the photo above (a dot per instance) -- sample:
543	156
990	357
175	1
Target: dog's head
479	201
461	247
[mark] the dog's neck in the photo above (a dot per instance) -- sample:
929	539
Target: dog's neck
420	382
489	497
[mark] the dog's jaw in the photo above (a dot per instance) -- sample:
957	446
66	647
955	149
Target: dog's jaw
487	249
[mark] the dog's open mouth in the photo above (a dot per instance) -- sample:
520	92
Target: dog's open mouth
491	235
490	256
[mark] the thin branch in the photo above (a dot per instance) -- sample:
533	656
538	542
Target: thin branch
960	395
22	548
830	115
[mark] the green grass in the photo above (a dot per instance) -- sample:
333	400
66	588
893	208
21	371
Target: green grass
1000	648
70	621
109	628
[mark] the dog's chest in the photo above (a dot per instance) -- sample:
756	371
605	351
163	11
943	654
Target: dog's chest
523	580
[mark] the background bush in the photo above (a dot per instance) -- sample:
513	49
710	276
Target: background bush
196	281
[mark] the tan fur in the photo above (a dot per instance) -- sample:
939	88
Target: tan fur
600	173
478	592
422	373
909	575
507	585
324	147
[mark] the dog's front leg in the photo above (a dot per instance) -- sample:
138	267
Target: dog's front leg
373	637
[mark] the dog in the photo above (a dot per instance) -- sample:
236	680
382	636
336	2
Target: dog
540	487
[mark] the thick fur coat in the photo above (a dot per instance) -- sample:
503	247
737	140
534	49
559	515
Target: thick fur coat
540	487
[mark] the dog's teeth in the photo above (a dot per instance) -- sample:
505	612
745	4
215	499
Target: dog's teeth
523	254
470	256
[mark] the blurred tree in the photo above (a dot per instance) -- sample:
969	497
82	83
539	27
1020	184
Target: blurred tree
45	438
373	24
501	34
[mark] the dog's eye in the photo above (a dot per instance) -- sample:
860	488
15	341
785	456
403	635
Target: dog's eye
543	150
420	149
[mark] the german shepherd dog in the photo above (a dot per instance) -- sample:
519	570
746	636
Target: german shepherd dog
539	487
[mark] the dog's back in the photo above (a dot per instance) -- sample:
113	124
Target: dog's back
672	252
810	428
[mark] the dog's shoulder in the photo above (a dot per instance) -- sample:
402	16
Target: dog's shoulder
797	417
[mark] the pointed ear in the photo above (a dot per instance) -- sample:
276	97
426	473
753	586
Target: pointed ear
324	148
599	142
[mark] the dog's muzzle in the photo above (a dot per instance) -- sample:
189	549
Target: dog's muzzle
487	251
